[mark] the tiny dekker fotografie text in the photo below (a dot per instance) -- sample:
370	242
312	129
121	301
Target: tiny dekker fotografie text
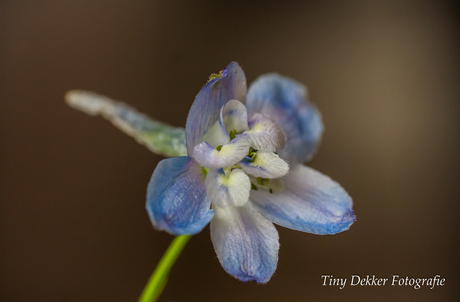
372	280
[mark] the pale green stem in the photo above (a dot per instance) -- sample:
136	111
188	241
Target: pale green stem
158	137
159	277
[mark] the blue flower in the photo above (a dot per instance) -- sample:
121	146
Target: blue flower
244	172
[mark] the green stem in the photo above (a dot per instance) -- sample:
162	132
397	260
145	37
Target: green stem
159	277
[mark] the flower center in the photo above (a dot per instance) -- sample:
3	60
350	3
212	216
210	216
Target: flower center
243	158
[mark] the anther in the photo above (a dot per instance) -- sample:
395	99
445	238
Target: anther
260	181
232	134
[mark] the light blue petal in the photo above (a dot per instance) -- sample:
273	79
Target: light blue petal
205	111
311	202
285	101
245	242
176	197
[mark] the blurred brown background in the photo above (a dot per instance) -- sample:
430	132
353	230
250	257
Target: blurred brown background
385	75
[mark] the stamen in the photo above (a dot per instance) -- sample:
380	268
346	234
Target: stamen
219	148
260	181
252	154
251	150
205	171
232	134
254	187
235	166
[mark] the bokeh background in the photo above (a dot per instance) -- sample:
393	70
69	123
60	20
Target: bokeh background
385	75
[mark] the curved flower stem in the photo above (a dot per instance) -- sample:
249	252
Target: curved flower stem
159	277
158	137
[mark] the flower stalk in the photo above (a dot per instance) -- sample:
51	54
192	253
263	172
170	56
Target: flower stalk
159	278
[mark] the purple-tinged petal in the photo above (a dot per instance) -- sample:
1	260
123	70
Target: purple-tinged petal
228	190
234	116
245	242
265	134
311	202
286	102
229	85
231	153
176	197
265	165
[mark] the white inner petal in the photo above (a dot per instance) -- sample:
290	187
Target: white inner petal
265	165
231	153
228	190
217	135
234	116
265	134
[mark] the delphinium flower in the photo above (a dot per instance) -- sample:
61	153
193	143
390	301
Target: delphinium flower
237	165
243	172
